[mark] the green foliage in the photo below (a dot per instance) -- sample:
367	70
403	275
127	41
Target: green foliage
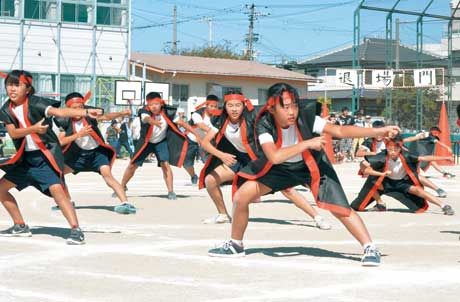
223	51
404	107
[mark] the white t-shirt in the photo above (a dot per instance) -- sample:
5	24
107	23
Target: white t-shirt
233	135
379	147
290	137
158	134
397	170
30	144
86	142
196	118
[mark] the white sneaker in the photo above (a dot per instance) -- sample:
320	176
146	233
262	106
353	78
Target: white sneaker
221	218
321	223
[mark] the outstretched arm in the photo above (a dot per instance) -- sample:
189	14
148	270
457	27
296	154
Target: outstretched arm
354	131
113	115
434	158
73	112
368	170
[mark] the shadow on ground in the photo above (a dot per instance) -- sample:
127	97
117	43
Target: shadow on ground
302	251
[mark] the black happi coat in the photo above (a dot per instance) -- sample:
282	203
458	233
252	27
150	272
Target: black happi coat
72	150
220	121
424	146
379	163
176	140
325	184
34	110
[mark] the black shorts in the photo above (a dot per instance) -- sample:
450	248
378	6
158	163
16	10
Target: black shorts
400	185
192	152
35	171
161	153
88	160
286	175
242	159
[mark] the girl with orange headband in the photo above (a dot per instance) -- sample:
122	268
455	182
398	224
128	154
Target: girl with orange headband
85	149
231	143
288	134
201	122
39	161
394	172
159	135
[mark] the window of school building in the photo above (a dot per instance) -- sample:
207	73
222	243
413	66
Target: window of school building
6	8
179	94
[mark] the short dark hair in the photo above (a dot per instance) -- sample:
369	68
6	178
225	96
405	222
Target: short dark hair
212	97
153	95
345	109
73	95
435	128
13	79
232	91
398	139
378	124
278	89
113	122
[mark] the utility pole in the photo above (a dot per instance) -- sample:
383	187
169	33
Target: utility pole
174	30
250	49
397	44
209	21
251	36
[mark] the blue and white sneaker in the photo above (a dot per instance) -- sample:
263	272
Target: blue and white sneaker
194	179
172	196
17	230
125	208
228	249
371	257
76	237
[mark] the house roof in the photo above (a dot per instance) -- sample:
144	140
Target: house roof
374	50
211	66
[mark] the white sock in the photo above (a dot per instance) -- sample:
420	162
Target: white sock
317	218
239	242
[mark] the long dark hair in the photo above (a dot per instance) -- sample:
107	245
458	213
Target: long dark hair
13	78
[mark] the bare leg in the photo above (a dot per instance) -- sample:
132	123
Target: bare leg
427	183
425	195
63	201
299	201
9	202
213	181
113	183
190	170
355	226
248	192
167	176
129	173
437	167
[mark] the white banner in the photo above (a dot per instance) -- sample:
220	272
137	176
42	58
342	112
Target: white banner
347	77
424	77
382	78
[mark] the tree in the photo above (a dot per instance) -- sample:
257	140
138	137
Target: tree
404	107
224	50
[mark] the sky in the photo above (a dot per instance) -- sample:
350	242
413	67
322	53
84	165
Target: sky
288	30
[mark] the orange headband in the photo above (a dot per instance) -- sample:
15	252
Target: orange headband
150	101
205	103
392	143
241	98
272	101
74	100
22	78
